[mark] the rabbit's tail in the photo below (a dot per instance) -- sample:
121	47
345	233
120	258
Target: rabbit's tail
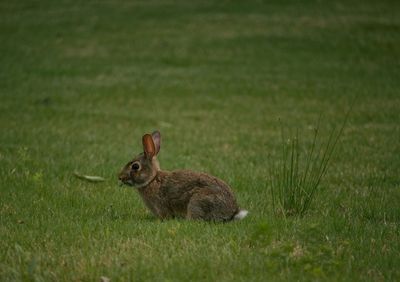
240	215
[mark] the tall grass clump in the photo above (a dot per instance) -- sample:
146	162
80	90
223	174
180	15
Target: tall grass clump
296	177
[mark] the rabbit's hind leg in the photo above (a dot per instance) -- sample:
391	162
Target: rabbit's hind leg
208	207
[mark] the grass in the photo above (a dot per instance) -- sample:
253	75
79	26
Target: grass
295	180
80	82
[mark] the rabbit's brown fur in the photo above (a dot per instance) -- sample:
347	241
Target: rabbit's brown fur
181	193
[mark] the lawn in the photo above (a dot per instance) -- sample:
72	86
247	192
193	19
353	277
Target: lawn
81	81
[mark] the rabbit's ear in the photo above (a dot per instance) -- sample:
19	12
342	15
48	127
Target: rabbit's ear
157	140
148	146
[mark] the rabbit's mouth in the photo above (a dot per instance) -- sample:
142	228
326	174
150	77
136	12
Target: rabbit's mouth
129	181
125	181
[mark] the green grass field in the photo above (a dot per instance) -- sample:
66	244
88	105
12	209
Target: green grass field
81	81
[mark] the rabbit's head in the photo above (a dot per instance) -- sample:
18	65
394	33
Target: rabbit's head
143	168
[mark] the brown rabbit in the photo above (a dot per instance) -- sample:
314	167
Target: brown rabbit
181	193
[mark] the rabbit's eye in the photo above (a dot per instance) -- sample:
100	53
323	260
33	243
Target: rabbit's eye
136	166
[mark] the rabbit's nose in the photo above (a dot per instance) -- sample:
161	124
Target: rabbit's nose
121	180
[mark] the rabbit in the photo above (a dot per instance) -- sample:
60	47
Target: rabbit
181	193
